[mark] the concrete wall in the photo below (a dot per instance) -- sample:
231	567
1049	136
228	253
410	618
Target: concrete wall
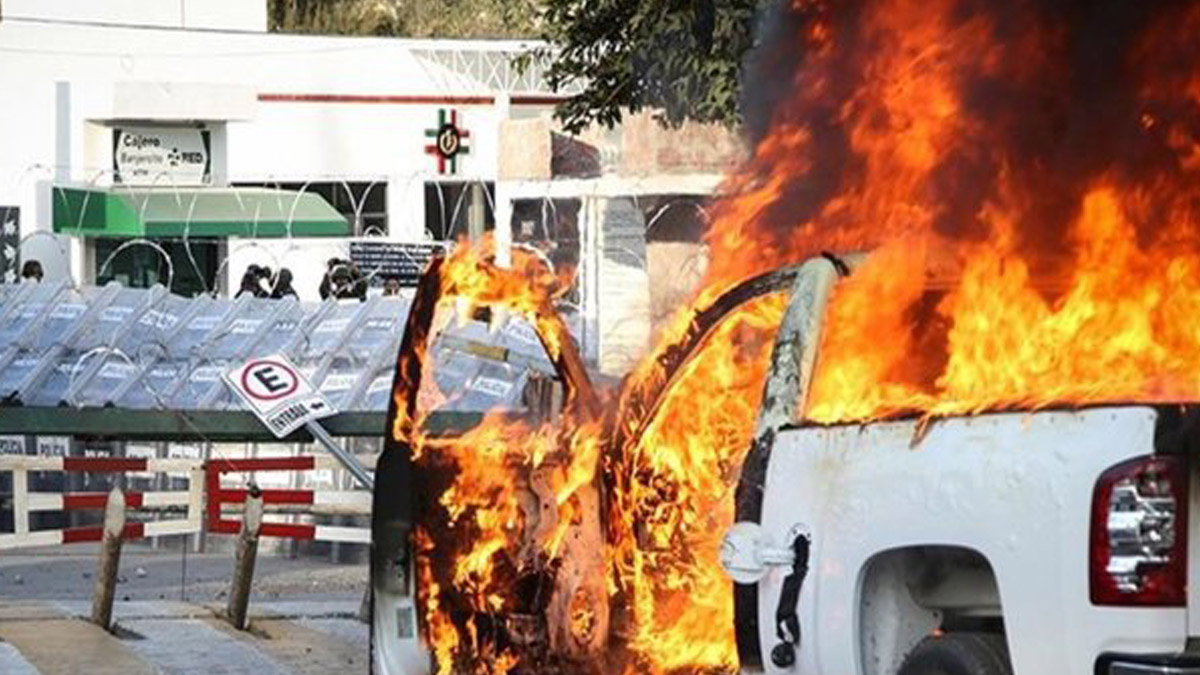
640	146
647	148
525	149
622	294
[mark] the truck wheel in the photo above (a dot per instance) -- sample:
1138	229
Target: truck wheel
959	654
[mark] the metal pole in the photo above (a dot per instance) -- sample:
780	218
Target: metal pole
183	570
364	608
243	566
110	560
347	459
200	540
161	482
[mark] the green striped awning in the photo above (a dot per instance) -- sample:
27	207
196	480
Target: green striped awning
195	212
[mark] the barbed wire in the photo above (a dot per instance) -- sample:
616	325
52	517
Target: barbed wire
187	202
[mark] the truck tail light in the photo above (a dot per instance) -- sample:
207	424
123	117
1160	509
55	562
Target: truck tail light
1138	546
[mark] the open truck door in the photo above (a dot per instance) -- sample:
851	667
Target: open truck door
543	386
565	619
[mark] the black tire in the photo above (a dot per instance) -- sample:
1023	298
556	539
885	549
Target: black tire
959	654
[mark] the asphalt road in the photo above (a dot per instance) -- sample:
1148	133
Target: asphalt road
65	573
303	616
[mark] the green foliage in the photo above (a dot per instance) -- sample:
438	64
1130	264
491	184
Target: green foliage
407	18
680	58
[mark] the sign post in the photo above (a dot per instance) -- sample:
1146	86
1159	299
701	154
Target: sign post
284	400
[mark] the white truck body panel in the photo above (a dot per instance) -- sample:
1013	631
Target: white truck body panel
1015	488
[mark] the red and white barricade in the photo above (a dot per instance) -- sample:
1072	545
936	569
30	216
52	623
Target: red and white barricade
332	502
26	502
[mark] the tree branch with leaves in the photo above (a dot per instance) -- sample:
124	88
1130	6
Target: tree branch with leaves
682	59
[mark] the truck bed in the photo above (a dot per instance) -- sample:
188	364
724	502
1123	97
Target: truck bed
1015	488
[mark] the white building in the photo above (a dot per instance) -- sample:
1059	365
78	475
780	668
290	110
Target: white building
179	123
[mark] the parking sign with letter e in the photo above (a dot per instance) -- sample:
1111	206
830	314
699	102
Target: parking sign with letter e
278	394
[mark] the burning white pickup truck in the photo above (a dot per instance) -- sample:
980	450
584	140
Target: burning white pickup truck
971	456
1031	542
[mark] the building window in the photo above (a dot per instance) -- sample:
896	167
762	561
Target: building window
459	209
551	226
680	218
363	203
142	265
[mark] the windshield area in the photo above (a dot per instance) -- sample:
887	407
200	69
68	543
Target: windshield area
485	364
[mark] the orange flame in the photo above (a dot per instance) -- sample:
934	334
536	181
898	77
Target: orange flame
670	504
1062	289
1031	205
678	498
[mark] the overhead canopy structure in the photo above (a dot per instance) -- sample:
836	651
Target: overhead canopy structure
198	212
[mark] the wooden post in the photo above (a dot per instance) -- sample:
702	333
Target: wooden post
20	491
364	608
243	566
110	560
